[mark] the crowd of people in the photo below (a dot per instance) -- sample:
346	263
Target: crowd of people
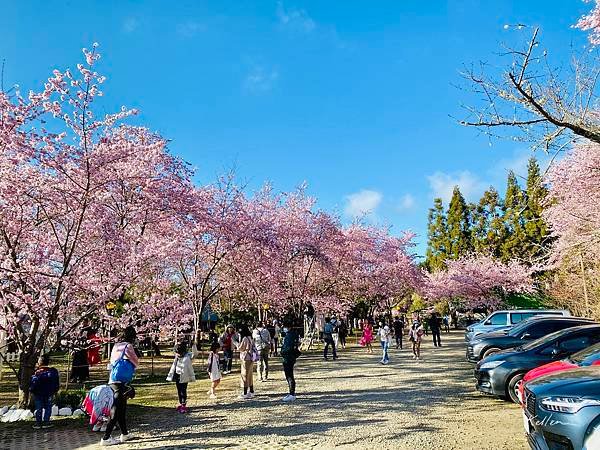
107	404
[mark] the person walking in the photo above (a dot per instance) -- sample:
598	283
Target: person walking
343	331
398	326
367	337
227	340
290	354
336	332
262	341
44	385
182	373
415	335
248	355
123	363
328	339
213	369
435	327
446	322
385	338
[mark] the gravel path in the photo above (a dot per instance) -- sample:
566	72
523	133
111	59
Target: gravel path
350	403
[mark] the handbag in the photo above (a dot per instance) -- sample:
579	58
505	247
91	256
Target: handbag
254	354
122	371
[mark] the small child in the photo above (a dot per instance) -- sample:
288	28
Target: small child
44	384
182	373
213	368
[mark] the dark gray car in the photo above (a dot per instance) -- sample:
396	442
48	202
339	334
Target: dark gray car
563	410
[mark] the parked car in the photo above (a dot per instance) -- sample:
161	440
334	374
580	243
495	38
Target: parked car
499	320
562	410
501	374
587	357
529	330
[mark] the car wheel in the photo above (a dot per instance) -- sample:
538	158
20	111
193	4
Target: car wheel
513	387
490	351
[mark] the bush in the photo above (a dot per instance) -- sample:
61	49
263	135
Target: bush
71	398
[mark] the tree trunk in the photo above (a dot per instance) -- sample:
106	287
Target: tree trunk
27	362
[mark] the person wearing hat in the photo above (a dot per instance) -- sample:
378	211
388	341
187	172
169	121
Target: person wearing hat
227	340
385	338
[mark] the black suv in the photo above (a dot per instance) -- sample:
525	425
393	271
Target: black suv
526	331
501	374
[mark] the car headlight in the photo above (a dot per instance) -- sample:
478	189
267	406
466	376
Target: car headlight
569	405
491	364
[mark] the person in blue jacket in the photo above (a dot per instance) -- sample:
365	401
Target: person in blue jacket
44	385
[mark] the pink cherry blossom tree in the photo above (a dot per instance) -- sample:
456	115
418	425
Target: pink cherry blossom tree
479	281
83	200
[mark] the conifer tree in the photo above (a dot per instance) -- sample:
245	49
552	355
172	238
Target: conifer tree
513	246
437	232
536	230
459	226
488	228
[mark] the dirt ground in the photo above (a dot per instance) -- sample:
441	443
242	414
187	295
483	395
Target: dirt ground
353	402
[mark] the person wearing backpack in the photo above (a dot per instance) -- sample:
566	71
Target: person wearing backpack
248	356
44	385
290	353
228	340
182	373
262	341
328	330
123	363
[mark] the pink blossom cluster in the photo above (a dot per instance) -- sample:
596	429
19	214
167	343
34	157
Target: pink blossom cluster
573	210
479	281
591	22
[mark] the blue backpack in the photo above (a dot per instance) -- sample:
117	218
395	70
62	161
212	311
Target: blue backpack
122	370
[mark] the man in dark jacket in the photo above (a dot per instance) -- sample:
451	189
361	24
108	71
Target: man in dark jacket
44	384
435	327
290	353
398	330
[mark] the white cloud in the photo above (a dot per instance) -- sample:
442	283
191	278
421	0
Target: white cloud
518	162
130	25
363	203
406	202
260	79
295	19
442	184
189	29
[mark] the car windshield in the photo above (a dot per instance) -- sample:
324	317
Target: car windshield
544	339
518	329
587	356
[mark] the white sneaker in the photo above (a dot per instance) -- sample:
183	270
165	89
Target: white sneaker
243	397
289	398
213	396
385	362
250	395
109	441
125	437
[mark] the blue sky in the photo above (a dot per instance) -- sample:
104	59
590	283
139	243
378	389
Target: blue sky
354	98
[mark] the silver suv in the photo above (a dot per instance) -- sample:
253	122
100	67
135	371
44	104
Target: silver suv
499	320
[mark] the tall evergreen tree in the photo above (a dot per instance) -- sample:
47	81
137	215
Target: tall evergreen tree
459	226
513	246
488	228
536	230
437	233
